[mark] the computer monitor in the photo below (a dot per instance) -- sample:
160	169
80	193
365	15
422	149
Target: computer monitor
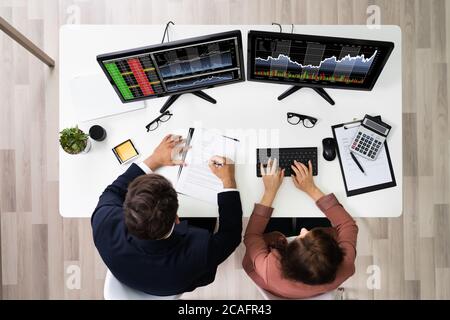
177	67
315	61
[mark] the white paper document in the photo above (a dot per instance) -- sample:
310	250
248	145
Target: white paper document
377	171
94	98
196	179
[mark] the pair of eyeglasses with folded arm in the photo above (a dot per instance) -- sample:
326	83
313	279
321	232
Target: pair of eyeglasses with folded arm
155	123
295	118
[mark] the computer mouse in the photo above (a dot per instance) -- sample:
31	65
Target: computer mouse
329	149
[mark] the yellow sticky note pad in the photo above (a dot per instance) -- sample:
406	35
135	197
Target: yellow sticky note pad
125	151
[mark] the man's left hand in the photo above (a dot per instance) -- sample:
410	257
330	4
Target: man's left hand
167	153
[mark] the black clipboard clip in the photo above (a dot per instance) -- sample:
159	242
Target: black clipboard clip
352	124
355	123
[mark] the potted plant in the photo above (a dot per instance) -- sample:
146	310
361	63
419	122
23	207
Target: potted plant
74	141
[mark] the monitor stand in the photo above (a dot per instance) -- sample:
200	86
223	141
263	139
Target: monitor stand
174	98
320	91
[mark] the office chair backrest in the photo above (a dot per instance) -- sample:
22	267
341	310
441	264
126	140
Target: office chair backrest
331	295
115	290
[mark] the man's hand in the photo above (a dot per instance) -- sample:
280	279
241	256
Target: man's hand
304	180
223	168
275	239
167	153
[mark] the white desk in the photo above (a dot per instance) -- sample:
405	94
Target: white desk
245	109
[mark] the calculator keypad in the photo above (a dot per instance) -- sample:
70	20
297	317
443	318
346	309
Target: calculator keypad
366	145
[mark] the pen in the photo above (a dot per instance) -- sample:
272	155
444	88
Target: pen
357	162
231	138
217	164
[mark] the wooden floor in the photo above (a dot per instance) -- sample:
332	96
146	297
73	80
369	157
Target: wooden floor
41	253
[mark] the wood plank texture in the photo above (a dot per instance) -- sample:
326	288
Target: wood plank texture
42	253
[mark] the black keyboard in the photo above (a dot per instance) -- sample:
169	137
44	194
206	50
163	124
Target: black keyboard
286	157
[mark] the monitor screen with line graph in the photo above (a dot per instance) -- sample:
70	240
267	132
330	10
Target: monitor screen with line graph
316	61
175	67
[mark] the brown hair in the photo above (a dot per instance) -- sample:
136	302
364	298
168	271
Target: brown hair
150	207
313	259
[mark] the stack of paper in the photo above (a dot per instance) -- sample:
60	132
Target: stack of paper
196	179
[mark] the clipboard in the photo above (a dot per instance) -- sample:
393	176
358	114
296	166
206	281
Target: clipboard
380	173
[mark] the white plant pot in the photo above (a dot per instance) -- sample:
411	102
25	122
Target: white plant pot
88	146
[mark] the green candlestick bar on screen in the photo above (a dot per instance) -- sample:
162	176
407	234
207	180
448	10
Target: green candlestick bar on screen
119	80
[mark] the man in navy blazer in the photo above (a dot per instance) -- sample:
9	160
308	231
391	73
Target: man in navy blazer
141	239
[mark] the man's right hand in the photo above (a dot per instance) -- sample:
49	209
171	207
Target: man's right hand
223	168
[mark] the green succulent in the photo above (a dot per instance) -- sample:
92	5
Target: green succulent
73	140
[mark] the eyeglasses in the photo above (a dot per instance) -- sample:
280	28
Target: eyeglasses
295	118
155	123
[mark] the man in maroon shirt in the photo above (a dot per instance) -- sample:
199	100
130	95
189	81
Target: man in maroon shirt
312	262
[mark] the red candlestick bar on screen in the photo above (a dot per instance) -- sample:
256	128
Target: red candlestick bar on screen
140	76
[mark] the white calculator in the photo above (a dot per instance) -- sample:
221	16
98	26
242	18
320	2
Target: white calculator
370	137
